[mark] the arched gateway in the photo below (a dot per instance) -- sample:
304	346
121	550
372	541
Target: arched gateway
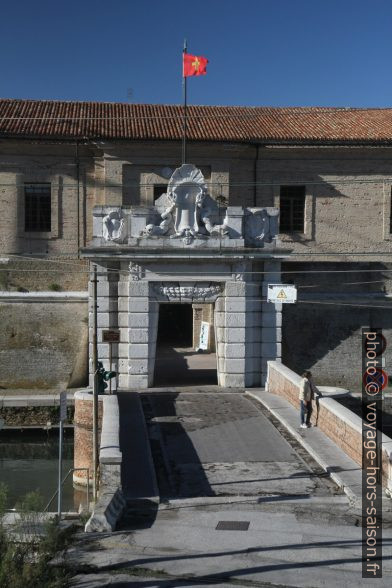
187	249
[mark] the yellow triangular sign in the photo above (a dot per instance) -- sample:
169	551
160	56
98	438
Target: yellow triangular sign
281	295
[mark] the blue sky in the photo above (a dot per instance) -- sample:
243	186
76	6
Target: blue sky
276	52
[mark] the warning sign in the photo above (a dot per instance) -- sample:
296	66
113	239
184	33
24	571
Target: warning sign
285	293
281	296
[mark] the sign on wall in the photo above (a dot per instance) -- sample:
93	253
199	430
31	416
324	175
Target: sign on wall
285	293
111	336
204	335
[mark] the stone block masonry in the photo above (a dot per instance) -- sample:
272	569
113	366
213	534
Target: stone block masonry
247	330
187	250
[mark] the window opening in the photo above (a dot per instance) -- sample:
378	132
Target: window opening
292	209
37	207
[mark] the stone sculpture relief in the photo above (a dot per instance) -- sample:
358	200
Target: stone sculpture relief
186	216
164	227
173	291
136	271
113	226
239	271
261	224
187	212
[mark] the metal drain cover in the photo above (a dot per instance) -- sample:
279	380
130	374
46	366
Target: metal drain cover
232	526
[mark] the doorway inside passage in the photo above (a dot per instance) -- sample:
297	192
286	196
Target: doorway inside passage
178	361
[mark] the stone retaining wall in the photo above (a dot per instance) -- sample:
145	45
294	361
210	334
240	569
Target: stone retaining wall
43	340
339	423
111	502
83	435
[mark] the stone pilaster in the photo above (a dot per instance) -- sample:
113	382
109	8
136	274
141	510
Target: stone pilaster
239	359
271	320
107	317
142	331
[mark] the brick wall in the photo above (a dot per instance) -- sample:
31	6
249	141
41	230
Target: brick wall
339	423
83	435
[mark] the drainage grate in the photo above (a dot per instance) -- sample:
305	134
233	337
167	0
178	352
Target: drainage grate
232	526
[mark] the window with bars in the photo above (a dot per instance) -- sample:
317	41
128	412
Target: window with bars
37	207
292	209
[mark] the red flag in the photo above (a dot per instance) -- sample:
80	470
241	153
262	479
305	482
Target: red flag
194	65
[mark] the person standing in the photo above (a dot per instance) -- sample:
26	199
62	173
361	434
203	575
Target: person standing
306	396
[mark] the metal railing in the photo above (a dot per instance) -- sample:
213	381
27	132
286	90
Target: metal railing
65	479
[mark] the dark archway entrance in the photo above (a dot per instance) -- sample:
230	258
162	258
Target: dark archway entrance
177	363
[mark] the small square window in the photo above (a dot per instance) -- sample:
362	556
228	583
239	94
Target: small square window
38	213
159	189
292	209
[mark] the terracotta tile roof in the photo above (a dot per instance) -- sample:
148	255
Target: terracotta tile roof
105	120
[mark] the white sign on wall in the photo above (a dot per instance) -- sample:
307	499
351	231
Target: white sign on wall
285	293
204	335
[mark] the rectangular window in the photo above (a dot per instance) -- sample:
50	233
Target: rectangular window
37	207
159	189
292	209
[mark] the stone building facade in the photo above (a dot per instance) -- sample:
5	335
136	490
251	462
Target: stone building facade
327	172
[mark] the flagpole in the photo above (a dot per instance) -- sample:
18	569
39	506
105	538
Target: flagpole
184	130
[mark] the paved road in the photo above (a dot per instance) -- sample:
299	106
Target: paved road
214	444
221	462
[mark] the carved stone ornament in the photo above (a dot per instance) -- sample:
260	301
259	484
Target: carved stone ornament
113	226
239	272
261	224
136	271
165	226
173	291
187	215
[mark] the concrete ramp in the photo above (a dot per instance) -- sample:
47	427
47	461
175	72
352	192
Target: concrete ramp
138	472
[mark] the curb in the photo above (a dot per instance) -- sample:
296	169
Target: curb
156	497
325	466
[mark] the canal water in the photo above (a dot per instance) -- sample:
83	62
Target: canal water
29	461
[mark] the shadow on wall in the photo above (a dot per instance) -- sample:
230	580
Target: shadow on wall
327	340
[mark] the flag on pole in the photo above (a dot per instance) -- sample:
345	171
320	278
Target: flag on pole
194	65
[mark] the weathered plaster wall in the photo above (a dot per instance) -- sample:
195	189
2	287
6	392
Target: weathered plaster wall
71	174
43	344
342	216
56	274
348	196
328	341
322	331
131	170
348	190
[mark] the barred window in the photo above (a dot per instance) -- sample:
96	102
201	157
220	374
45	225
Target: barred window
292	209
37	207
